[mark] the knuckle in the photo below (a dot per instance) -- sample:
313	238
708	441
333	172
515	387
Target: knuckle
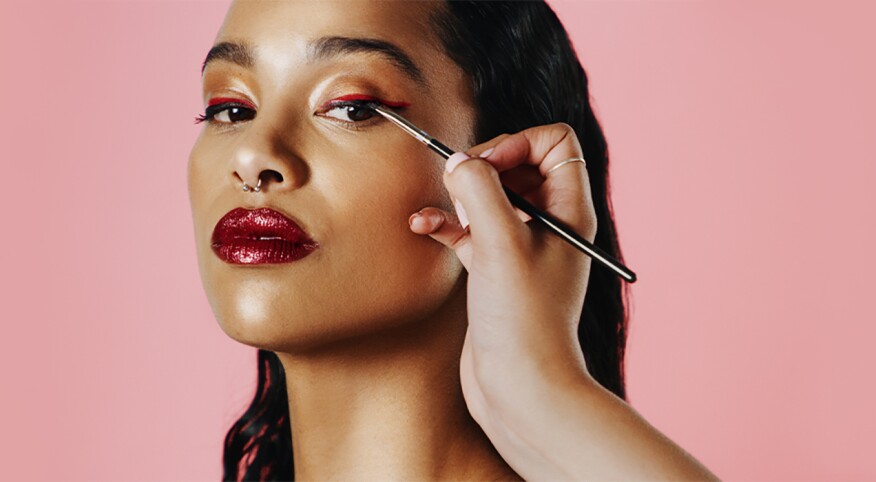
471	169
563	128
592	226
493	142
590	221
450	231
482	167
458	238
497	139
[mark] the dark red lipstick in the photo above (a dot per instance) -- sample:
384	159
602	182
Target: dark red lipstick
259	236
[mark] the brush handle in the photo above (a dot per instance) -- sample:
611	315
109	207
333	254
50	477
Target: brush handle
569	235
438	147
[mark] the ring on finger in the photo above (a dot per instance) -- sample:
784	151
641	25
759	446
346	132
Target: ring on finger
567	161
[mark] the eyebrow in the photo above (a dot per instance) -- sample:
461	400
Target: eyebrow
323	48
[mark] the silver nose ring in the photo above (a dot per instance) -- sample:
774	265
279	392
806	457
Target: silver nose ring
257	188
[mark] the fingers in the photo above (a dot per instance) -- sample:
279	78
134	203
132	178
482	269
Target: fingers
566	191
482	150
523	158
438	224
445	228
541	146
474	183
509	181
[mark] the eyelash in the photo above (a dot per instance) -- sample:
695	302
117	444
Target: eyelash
214	110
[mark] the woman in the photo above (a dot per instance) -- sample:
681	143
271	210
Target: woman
395	340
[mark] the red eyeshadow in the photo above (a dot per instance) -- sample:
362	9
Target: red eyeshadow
372	98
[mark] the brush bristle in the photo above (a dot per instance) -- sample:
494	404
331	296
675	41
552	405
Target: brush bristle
370	105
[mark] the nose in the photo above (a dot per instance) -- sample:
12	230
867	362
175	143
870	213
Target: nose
258	169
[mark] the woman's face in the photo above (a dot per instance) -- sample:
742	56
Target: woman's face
351	184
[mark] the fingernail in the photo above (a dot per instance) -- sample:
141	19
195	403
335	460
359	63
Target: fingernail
414	217
522	215
454	160
460	213
486	153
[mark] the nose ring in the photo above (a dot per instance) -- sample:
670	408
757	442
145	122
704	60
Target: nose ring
257	188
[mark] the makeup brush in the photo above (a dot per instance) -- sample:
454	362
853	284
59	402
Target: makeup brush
552	223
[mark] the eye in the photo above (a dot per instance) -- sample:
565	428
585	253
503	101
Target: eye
226	113
348	111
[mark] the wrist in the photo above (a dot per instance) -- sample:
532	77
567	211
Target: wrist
528	384
526	424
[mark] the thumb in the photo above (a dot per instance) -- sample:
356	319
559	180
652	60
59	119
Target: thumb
474	184
445	228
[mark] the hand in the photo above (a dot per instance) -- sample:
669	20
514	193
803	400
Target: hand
526	285
522	371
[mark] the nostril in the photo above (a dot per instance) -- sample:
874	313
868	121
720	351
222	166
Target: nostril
276	176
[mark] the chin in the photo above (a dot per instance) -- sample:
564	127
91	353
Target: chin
284	322
257	312
297	308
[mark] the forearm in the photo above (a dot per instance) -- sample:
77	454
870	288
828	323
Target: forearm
583	431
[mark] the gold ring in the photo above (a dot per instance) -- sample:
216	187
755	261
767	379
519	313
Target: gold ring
567	161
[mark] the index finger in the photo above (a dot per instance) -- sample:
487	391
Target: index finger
542	146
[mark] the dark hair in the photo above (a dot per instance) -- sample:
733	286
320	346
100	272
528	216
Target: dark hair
524	73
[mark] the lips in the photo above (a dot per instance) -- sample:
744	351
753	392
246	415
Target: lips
258	236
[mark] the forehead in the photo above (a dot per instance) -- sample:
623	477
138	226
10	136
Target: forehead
282	33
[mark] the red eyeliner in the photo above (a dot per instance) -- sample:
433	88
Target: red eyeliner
222	100
364	97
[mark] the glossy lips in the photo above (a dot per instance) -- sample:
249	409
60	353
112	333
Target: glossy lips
259	236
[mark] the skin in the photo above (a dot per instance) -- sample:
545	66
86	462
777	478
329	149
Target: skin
369	327
414	348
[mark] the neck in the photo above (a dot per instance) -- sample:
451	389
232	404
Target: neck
389	406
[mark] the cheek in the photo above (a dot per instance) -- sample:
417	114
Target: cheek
386	191
375	203
375	252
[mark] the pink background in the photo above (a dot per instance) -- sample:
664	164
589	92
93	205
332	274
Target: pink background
742	143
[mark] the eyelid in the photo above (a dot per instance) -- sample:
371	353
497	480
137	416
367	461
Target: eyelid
365	97
230	100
